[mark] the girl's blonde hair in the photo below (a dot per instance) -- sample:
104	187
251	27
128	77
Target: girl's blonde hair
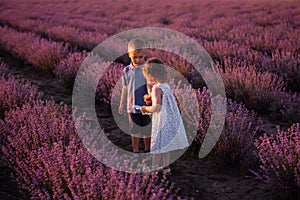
155	68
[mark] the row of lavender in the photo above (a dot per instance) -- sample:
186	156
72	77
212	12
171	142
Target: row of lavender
283	59
47	155
262	91
40	144
253	34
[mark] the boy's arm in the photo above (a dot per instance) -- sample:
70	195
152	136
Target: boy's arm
123	99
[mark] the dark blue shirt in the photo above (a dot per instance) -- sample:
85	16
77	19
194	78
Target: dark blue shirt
136	84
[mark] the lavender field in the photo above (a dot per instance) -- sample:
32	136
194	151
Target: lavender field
254	44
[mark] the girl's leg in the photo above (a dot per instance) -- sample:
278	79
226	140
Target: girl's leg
155	161
166	159
166	163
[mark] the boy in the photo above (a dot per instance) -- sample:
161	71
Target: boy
134	88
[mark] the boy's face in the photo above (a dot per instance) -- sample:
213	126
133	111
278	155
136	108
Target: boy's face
137	57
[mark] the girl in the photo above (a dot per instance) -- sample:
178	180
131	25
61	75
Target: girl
168	132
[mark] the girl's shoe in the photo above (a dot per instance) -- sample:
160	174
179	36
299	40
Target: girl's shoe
146	169
167	171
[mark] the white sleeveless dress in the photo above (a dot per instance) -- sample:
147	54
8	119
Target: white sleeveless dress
168	131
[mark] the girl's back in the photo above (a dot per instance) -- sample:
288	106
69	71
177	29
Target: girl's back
168	132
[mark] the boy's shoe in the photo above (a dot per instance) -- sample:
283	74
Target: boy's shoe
146	151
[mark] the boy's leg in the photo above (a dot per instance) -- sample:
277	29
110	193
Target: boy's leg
146	123
135	139
147	141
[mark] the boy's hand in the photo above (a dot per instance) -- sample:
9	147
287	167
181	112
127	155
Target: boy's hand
121	109
147	99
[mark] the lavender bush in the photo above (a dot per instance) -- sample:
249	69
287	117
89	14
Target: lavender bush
287	107
108	82
3	69
50	162
77	38
285	63
39	52
14	93
67	68
241	84
219	50
105	75
235	145
279	155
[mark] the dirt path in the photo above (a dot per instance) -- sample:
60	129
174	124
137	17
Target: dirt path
198	178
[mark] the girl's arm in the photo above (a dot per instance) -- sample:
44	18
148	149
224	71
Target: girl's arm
156	101
147	97
149	88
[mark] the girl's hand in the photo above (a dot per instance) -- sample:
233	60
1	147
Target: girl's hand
143	110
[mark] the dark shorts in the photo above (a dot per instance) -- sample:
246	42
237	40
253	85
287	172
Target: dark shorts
139	123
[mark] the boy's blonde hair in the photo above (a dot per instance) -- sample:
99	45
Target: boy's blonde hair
136	44
155	68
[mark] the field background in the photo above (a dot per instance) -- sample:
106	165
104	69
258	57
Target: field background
255	45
